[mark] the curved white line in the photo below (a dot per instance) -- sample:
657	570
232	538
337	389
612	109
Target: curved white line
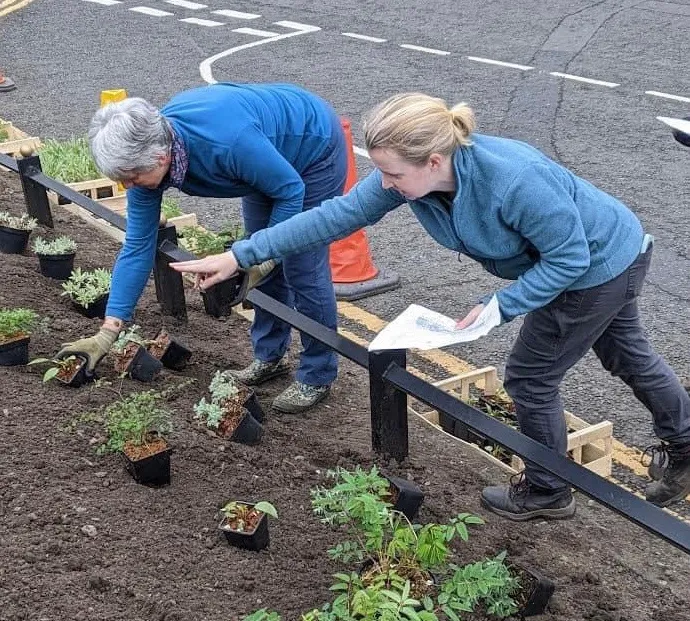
205	66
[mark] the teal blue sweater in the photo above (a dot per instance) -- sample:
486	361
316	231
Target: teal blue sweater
521	215
240	139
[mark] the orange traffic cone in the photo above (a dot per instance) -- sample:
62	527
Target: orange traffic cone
352	268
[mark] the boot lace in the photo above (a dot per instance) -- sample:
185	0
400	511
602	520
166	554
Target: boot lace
519	485
657	454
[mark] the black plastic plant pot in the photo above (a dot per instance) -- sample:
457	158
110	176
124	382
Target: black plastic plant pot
537	591
95	309
253	406
217	299
13	241
256	540
249	431
459	430
144	367
176	355
56	266
80	376
15	353
153	470
408	497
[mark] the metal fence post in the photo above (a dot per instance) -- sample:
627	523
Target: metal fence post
35	194
388	406
169	285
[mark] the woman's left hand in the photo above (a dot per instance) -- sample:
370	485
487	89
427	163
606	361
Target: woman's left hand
470	318
209	270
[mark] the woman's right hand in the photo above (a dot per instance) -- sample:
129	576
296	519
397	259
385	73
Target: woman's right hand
211	270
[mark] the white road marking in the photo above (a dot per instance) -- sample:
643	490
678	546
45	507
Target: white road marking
105	2
236	14
353	35
185	4
362	152
501	63
202	22
682	125
668	96
205	68
428	50
578	78
297	26
256	33
148	11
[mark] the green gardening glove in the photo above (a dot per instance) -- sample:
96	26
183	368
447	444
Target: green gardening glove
93	348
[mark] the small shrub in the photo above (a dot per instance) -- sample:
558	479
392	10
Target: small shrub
203	243
68	161
84	288
239	515
62	367
4	134
224	388
132	335
59	245
170	207
134	420
20	223
16	323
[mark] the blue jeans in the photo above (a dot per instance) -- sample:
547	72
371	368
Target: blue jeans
552	339
304	282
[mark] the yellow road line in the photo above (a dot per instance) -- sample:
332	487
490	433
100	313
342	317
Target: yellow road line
9	6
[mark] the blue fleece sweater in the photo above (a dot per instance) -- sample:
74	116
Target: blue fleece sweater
240	139
521	215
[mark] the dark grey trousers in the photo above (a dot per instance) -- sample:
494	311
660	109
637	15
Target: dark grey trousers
555	337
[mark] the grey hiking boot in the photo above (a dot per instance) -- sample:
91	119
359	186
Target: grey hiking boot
298	397
674	484
521	501
259	372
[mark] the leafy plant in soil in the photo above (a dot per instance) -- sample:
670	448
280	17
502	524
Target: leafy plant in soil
203	243
137	425
408	571
132	356
170	207
58	246
19	223
244	517
226	411
68	161
63	369
84	288
16	323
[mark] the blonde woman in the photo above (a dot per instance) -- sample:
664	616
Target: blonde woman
577	259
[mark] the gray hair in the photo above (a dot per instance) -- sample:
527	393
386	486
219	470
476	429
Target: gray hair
415	125
128	137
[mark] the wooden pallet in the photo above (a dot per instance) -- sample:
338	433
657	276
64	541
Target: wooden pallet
16	140
118	204
95	189
588	445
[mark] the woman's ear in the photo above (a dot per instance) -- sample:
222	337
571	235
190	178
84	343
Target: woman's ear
435	161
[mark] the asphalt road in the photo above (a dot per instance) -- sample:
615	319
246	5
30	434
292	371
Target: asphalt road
62	53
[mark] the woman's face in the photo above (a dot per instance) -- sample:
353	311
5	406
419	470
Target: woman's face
149	179
411	180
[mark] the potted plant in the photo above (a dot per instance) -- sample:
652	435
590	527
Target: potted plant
56	257
167	349
16	326
226	412
245	524
15	231
70	371
132	356
405	565
203	243
88	291
137	427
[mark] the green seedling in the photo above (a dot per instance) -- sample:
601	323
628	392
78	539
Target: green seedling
84	288
58	246
19	223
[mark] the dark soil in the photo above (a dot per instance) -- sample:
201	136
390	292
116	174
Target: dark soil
151	447
80	540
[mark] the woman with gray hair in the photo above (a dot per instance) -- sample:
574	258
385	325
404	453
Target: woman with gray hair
280	148
577	258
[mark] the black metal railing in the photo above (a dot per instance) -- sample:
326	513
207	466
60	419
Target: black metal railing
389	380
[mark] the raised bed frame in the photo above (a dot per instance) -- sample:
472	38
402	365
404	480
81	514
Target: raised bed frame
590	446
17	139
